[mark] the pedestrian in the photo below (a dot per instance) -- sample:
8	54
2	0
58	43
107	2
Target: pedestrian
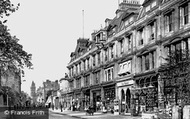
91	110
61	107
52	106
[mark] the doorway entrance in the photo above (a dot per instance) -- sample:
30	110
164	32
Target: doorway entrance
128	101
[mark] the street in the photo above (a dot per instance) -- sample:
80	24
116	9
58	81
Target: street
53	115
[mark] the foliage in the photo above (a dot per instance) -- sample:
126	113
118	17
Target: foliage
176	59
176	74
14	96
12	54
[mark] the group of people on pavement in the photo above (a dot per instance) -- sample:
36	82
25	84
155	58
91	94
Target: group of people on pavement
90	110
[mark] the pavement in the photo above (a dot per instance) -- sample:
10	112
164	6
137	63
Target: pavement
99	115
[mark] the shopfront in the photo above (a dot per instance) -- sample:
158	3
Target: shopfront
145	98
63	101
97	102
69	101
124	95
85	98
109	97
77	101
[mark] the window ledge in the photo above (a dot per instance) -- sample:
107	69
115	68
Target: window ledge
169	34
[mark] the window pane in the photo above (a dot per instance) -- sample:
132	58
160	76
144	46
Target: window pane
186	14
147	62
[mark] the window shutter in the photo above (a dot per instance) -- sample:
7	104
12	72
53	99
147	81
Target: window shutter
154	30
173	21
129	66
138	37
112	74
138	64
143	33
183	47
181	17
167	24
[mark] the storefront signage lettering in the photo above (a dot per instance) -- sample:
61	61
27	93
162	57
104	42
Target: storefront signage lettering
125	83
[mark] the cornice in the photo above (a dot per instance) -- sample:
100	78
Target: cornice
108	83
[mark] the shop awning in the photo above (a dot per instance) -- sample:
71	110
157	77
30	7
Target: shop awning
48	100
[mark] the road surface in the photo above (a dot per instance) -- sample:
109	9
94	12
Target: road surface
53	115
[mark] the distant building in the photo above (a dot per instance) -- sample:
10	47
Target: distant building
40	95
33	92
64	89
50	86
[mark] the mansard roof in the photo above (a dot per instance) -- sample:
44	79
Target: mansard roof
141	12
115	22
145	2
81	45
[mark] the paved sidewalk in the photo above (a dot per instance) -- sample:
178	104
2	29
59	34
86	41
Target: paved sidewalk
96	115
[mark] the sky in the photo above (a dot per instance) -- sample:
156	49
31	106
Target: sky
49	29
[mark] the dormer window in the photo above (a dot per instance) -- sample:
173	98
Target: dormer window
147	8
150	6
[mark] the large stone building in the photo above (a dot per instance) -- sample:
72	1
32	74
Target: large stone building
50	86
122	60
10	79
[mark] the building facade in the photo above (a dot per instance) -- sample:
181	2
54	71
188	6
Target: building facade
64	88
122	60
51	91
50	86
40	95
10	79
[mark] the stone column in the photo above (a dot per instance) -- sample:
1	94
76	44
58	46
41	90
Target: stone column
160	93
91	97
125	100
143	63
82	100
102	93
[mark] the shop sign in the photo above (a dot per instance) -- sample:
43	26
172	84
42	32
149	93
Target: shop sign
130	82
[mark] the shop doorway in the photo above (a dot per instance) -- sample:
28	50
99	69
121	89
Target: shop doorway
122	101
97	101
128	101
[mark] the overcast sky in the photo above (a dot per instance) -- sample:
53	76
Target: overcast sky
49	29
